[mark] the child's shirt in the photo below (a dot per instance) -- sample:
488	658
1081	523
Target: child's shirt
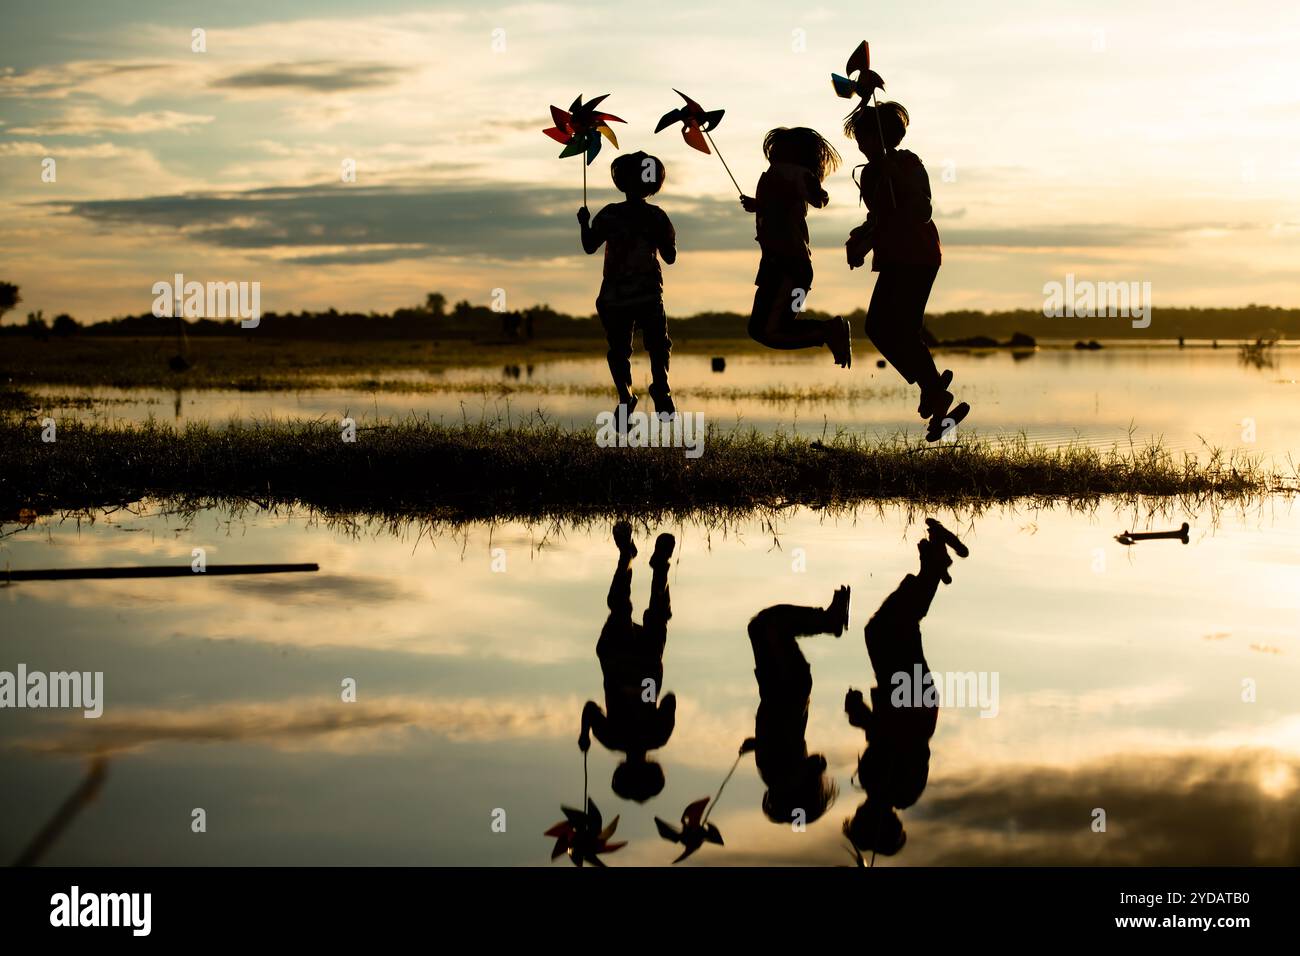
895	767
634	234
631	724
783	195
901	226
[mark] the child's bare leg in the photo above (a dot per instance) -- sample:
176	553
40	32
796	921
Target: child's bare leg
787	621
894	326
654	332
620	586
774	323
659	609
618	337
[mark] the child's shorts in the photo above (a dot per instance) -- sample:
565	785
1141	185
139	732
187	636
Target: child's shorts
775	270
774	273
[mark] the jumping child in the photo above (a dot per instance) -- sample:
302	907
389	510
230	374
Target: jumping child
636	234
800	159
901	234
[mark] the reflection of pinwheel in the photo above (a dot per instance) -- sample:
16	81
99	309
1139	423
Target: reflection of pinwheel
580	130
697	122
583	836
867	81
694	832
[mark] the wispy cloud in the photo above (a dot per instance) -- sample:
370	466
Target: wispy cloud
320	76
86	121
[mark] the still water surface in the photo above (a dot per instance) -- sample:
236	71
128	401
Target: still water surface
1157	683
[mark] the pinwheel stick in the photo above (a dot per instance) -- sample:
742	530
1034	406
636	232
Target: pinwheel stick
718	796
733	178
880	130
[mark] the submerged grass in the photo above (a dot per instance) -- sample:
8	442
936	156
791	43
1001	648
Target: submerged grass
34	401
418	467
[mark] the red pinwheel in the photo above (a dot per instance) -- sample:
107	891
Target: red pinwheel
695	829
580	129
583	837
867	81
697	122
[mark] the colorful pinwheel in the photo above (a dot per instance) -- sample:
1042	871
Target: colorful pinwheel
695	830
583	837
697	122
864	85
868	80
580	129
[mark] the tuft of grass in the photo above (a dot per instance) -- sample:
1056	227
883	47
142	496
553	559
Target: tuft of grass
465	471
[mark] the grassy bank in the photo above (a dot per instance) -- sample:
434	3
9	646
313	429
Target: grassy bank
416	467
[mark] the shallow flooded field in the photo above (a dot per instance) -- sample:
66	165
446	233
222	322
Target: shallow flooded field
1190	399
1100	703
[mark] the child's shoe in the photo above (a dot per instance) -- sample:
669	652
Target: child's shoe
623	413
839	611
941	534
840	340
945	421
936	400
664	405
623	538
935	559
664	545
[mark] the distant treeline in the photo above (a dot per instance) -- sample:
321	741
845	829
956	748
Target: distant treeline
434	320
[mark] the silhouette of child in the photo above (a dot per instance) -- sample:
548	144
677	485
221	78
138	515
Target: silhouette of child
796	780
895	767
800	159
636	235
901	235
637	717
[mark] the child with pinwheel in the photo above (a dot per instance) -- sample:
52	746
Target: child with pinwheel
638	716
636	235
799	161
901	235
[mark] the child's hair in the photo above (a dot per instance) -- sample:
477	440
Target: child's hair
876	829
802	146
630	172
861	123
638	780
807	788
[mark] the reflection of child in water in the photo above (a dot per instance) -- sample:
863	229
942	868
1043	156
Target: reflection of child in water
895	767
796	780
637	718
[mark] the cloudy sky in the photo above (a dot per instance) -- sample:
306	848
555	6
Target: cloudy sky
1112	139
